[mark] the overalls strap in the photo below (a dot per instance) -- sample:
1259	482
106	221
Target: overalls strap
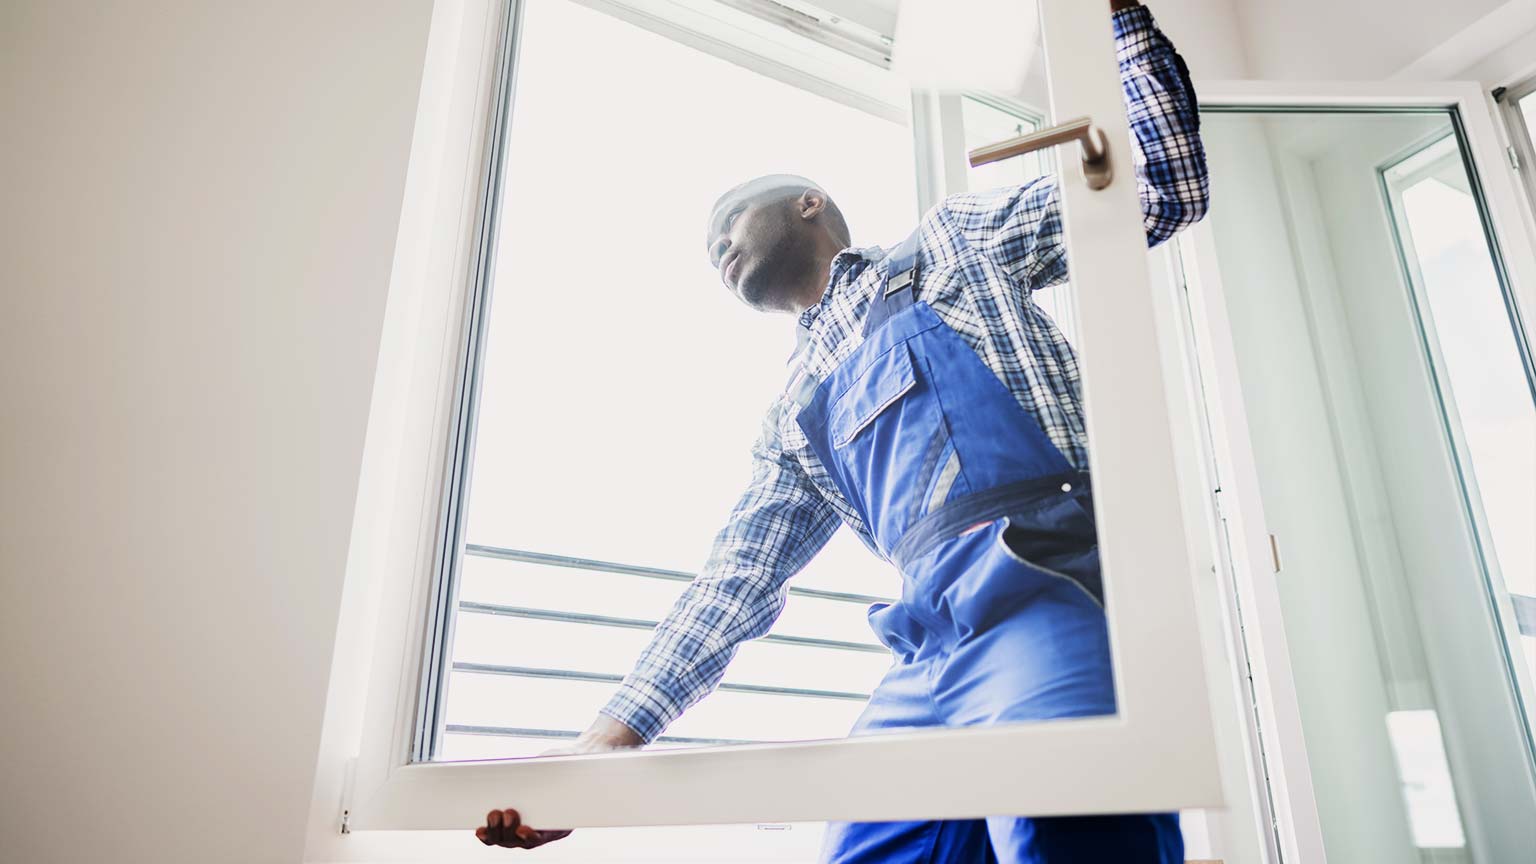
896	292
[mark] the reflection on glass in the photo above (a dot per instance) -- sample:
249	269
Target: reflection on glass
1391	424
989	120
1467	328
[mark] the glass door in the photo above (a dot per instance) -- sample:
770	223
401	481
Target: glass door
1379	359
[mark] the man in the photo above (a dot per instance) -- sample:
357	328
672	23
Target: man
936	410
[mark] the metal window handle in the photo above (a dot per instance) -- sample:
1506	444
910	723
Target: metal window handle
1095	148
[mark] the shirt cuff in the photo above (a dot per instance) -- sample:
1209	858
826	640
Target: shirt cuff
642	707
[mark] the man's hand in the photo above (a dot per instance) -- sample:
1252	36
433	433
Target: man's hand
505	827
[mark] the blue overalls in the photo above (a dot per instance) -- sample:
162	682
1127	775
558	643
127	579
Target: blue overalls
1000	618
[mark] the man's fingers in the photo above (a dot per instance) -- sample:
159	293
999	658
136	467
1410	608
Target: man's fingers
512	829
492	828
505	828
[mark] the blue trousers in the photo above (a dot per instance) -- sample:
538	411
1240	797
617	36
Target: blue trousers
978	653
1086	839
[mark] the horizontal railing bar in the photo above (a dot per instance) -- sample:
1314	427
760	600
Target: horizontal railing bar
609	678
525	557
1525	613
556	734
643	624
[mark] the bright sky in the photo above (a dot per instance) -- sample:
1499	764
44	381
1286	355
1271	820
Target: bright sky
623	384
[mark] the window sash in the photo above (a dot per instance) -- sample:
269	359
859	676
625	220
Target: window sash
1104	764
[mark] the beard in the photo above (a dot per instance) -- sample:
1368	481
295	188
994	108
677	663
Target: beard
780	265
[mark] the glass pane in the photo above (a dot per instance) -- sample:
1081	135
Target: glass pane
1392	425
1465	327
615	356
989	120
622	385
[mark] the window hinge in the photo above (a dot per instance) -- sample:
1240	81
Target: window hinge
1514	157
346	795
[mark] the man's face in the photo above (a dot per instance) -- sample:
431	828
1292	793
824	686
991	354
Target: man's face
762	249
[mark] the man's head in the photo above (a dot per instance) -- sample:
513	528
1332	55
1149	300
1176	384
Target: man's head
773	240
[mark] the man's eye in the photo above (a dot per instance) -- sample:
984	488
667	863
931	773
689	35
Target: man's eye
730	219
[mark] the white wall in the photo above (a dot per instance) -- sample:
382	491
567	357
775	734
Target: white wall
1354	39
1490	41
1207	32
1494	50
200	209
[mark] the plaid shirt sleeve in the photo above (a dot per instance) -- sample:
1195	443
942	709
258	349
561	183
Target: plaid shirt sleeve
773	532
1020	227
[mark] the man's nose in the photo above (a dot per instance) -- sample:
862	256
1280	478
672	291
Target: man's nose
718	249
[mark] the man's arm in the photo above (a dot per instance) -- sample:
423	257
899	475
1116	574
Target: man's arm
775	529
1020	227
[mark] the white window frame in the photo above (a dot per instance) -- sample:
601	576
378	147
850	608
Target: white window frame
1522	138
1276	720
1108	764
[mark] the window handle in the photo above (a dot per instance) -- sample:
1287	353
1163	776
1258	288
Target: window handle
1090	139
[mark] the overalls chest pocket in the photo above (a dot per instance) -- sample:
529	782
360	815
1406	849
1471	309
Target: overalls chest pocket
880	386
885	430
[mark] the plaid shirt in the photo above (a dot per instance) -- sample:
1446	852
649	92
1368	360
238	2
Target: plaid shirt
982	254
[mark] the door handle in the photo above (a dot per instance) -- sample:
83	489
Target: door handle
1091	142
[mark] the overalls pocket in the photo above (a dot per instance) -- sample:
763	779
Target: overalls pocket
885	381
880	424
1059	542
895	629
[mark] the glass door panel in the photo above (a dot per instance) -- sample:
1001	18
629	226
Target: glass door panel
1392	424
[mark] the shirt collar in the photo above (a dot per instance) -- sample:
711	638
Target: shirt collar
847	264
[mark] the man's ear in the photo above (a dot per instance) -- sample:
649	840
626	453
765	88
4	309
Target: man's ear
812	203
